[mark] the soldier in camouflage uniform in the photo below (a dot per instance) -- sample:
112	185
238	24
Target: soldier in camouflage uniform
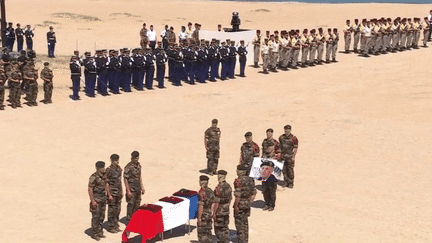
205	208
270	146
244	192
211	142
30	75
97	192
3	79
223	196
15	78
289	145
115	193
47	76
248	151
133	184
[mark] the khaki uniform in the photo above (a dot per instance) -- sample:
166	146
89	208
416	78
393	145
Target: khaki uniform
426	32
47	76
329	45
144	38
257	44
396	36
305	48
347	36
403	35
416	34
265	50
288	144
363	38
244	187
223	196
295	42
114	176
356	29
320	47
212	135
274	55
206	199
313	48
409	34
97	182
132	173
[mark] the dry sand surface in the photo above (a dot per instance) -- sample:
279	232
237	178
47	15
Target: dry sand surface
363	164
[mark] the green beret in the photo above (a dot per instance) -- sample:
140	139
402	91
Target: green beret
100	164
204	178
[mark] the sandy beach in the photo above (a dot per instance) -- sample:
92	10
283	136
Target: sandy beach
363	164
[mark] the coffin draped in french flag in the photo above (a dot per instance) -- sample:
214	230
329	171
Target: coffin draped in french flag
167	213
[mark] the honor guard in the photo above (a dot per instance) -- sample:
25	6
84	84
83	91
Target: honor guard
242	52
244	193
248	151
213	57
51	39
320	45
289	146
257	46
161	59
190	64
305	47
348	29
10	36
335	44
426	31
90	73
114	70
149	67
115	193
232	60
133	184
356	29
224	54
295	42
329	44
201	63
274	53
102	64
265	50
313	40
205	205
19	37
126	70
75	68
47	76
211	142
221	209
98	197
28	33
138	66
177	66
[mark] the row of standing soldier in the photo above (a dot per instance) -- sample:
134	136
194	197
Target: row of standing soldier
283	51
189	63
384	35
20	75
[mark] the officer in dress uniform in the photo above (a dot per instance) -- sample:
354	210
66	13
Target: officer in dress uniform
75	68
115	73
161	59
213	57
149	67
242	52
51	39
201	64
10	36
126	70
177	66
190	62
232	60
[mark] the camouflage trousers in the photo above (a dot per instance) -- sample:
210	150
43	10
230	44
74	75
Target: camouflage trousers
212	161
15	94
242	226
114	208
133	204
221	228
98	216
288	171
204	231
2	92
48	87
32	91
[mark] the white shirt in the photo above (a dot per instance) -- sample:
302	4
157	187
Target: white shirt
265	49
163	33
367	31
429	17
182	35
151	35
275	47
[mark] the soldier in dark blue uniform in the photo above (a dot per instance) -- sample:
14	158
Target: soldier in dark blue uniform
51	39
183	73
138	66
208	62
170	57
161	59
213	57
75	68
178	66
20	37
28	33
201	65
219	62
115	67
126	70
190	63
149	67
242	52
232	59
224	54
10	36
102	70
90	73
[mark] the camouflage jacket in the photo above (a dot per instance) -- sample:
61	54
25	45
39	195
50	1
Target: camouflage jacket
132	173
288	143
114	175
244	187
97	183
213	136
206	198
223	196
